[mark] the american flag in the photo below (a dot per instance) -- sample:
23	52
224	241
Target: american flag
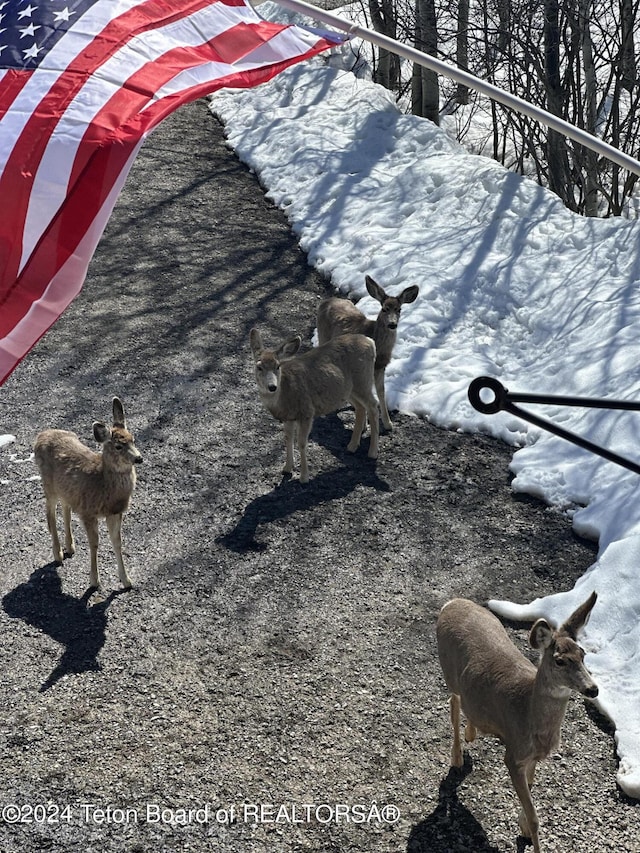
82	83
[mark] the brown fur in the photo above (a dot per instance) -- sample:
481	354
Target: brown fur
502	693
340	316
93	485
296	389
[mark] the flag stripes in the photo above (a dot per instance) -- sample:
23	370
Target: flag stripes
71	126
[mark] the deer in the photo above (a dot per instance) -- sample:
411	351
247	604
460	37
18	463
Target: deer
93	485
297	388
502	693
337	316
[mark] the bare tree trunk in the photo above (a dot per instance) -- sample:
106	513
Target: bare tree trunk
425	89
591	84
462	48
628	68
383	17
504	17
557	156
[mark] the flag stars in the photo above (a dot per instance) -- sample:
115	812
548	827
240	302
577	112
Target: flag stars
29	31
31	52
30	28
28	12
63	14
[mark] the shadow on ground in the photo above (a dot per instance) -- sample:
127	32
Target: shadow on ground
72	622
291	496
450	826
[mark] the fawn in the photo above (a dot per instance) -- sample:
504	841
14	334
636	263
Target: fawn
93	485
502	693
337	316
317	382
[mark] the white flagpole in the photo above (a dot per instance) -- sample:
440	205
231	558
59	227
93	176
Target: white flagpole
460	76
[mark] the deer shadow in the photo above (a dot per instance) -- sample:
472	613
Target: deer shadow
333	432
291	496
451	827
72	622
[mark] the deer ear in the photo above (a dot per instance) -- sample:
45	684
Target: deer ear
255	339
118	413
578	618
374	289
101	432
409	294
541	635
289	348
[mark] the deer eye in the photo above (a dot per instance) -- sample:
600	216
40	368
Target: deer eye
119	447
559	661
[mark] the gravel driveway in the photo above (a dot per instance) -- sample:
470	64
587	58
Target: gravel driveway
271	683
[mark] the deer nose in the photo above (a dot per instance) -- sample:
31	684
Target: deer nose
591	692
138	460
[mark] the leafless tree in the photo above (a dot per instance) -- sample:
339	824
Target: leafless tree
425	91
384	17
575	58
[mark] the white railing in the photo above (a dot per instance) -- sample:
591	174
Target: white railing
464	77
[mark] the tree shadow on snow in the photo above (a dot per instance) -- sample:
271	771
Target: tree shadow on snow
450	827
70	621
291	496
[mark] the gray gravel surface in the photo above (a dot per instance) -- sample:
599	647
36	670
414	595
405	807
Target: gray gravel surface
278	647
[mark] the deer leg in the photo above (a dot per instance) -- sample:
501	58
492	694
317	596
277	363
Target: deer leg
114	526
375	431
457	759
304	428
522	817
91	526
384	412
470	732
58	556
289	436
528	820
358	426
531	772
69	542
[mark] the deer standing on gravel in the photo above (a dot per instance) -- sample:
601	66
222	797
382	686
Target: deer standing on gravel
317	382
338	316
502	693
93	485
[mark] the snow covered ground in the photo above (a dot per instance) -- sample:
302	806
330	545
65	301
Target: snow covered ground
512	285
